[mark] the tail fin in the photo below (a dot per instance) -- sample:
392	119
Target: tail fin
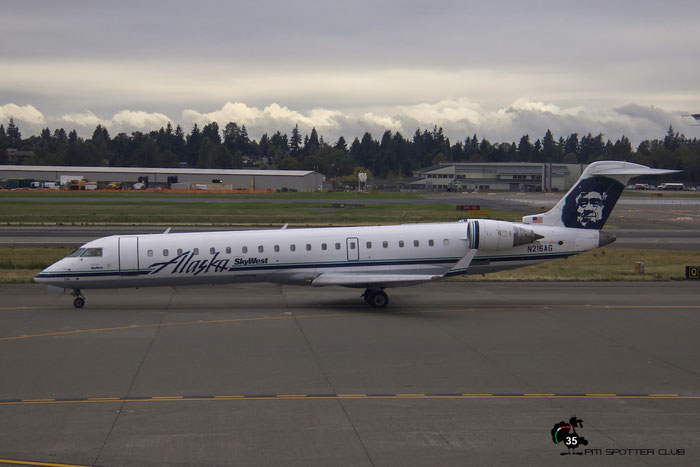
589	203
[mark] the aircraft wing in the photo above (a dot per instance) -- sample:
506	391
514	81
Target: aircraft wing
364	280
388	280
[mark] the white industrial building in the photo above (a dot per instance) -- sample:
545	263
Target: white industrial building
494	176
293	180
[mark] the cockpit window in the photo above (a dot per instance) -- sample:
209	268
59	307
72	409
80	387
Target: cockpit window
93	252
76	253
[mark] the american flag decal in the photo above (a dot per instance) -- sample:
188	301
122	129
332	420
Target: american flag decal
536	219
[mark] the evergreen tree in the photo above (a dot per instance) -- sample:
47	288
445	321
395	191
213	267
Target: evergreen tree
525	149
571	145
14	137
671	141
536	149
341	145
179	144
622	149
211	131
60	136
194	141
295	142
312	144
145	153
548	148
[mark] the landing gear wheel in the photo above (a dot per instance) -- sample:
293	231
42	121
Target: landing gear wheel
377	298
79	302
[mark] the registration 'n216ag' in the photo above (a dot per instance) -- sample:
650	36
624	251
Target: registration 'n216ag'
539	248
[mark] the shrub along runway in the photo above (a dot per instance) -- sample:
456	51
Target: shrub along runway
259	374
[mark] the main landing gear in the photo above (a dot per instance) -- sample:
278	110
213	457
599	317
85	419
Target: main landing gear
79	301
376	298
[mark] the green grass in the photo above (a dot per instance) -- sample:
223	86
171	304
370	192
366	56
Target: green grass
155	213
31	258
603	265
22	264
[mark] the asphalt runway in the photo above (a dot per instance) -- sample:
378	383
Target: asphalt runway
450	374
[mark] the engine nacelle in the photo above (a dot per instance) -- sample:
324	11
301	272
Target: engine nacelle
498	235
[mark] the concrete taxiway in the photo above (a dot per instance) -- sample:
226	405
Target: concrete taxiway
451	373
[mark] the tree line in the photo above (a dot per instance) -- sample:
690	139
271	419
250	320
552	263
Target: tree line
391	157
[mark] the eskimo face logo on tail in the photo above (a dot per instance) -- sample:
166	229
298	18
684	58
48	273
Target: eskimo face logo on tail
589	204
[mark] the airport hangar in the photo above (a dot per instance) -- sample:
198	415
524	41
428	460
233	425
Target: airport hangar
292	180
494	176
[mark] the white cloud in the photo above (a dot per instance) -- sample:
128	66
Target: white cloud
458	117
25	113
123	121
139	120
384	121
271	117
86	119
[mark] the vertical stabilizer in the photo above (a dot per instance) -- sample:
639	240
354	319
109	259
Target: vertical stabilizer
590	201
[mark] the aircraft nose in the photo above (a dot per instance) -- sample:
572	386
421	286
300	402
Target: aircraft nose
46	275
605	238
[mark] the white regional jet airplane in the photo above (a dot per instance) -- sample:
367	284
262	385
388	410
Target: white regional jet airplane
372	258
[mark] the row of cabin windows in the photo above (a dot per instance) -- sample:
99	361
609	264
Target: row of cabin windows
293	247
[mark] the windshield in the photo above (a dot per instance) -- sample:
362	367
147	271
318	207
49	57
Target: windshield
91	252
76	253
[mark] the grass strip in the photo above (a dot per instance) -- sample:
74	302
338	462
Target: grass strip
297	214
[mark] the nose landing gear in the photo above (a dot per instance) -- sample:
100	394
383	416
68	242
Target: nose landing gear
376	298
79	301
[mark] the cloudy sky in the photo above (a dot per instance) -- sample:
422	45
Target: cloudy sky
496	68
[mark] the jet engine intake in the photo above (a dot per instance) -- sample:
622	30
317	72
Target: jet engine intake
498	235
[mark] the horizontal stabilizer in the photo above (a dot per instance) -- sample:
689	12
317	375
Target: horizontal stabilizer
364	280
624	170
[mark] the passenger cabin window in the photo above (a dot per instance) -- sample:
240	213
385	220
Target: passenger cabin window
212	251
195	251
337	246
179	251
308	247
165	252
260	249
150	253
277	248
91	252
400	243
446	242
352	245
324	246
228	249
292	247
244	249
76	253
385	244
369	245
416	243
431	242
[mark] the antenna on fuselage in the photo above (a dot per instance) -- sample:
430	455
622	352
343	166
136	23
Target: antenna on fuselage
167	230
284	226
